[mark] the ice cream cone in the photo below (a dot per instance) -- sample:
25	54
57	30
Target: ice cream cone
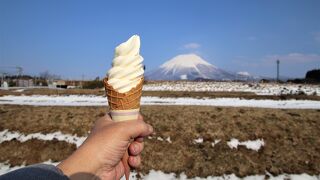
124	106
123	85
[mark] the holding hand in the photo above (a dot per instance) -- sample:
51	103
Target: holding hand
100	155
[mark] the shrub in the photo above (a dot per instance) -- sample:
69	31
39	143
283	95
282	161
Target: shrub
313	75
93	84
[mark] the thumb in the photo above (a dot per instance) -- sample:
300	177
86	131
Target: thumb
134	128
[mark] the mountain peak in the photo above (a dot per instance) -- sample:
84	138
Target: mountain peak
185	61
188	67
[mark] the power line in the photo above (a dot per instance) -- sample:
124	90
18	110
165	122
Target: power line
18	68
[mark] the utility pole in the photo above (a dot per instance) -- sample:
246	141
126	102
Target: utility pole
2	80
278	64
82	77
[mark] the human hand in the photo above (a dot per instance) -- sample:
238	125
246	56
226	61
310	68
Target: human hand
100	155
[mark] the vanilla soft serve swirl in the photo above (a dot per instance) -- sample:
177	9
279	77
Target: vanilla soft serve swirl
127	69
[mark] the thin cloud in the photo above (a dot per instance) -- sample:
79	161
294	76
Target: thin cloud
292	64
243	61
270	60
317	37
293	58
192	46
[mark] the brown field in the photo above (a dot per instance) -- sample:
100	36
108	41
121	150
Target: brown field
292	142
45	91
34	151
244	95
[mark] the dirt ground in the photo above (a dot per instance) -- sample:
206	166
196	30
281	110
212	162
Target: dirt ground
291	137
244	95
34	151
46	91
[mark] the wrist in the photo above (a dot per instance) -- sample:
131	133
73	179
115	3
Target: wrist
81	163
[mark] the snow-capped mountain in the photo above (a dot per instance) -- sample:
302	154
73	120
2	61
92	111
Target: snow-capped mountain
188	67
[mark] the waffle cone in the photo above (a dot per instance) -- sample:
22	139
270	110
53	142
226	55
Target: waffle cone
123	101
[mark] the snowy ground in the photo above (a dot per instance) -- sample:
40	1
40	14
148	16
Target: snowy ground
7	135
233	143
153	175
159	175
258	88
91	100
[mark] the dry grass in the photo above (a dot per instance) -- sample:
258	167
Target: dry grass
291	137
34	151
44	91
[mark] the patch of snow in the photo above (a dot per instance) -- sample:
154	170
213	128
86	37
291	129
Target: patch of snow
168	140
159	138
7	135
19	90
215	142
233	102
253	145
5	168
90	100
198	140
153	175
44	100
233	143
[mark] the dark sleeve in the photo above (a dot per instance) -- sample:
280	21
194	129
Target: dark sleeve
36	172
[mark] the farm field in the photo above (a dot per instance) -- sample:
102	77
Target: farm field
278	138
290	137
231	89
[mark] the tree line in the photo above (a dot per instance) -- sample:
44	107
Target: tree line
312	76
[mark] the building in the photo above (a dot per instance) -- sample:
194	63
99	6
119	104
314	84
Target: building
25	82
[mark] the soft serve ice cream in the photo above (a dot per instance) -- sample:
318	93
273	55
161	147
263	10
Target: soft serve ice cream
124	81
127	69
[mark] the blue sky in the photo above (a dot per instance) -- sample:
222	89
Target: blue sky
71	38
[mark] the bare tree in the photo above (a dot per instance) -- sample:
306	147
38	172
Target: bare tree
48	76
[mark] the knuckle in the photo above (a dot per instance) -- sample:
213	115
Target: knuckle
142	125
